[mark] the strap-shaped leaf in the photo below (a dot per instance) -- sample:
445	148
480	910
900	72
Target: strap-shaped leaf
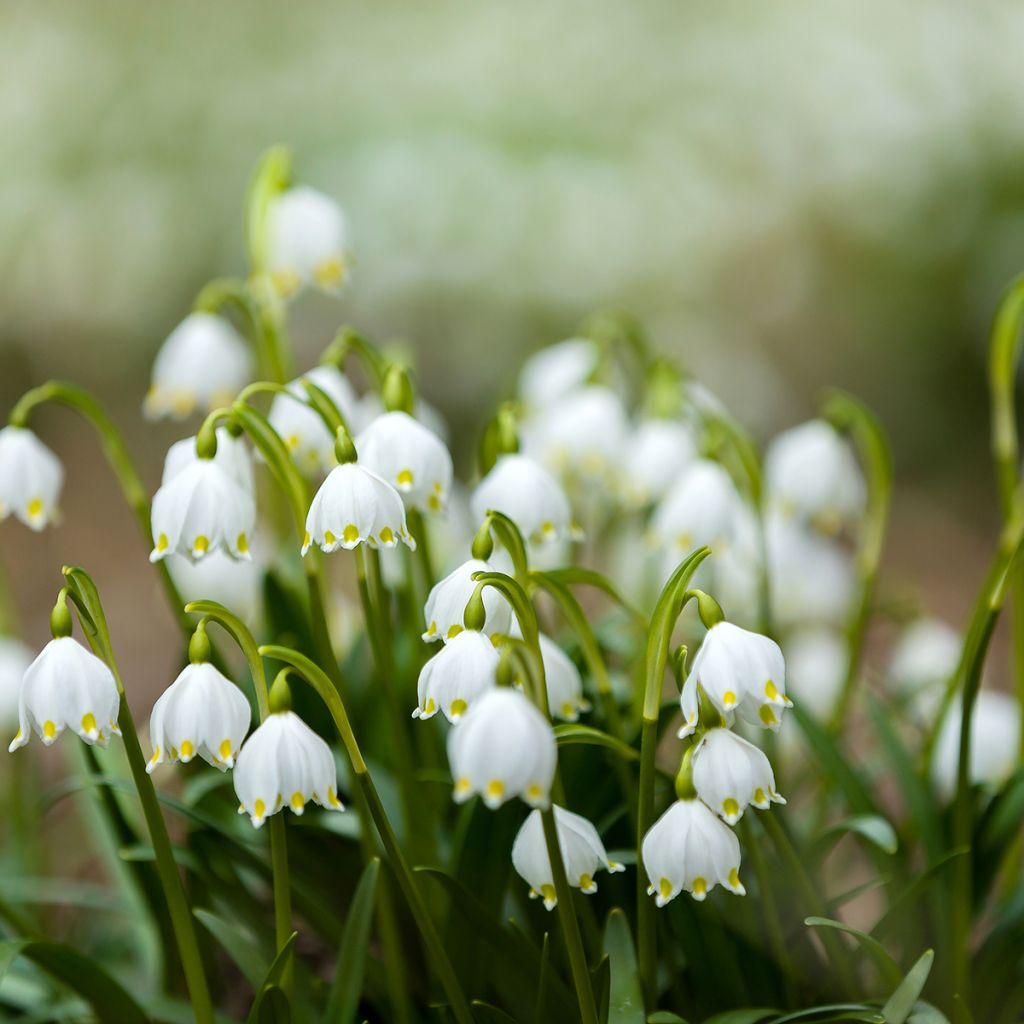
625	1000
901	1002
348	973
573	732
889	968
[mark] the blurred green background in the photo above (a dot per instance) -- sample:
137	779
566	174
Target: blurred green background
790	195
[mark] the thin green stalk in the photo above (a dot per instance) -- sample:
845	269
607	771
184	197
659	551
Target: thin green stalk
418	528
78	399
83	592
407	881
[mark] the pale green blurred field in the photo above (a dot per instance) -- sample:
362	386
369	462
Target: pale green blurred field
790	195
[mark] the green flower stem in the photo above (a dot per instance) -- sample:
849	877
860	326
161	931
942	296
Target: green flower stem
659	639
406	880
418	529
83	592
508	535
78	399
847	413
347	340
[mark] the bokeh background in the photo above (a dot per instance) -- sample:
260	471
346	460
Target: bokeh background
790	195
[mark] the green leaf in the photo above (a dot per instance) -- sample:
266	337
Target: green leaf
484	1013
889	968
237	944
835	1012
740	1017
589	577
113	1005
348	972
625	1001
271	1004
573	732
872	827
901	1002
924	1013
665	1017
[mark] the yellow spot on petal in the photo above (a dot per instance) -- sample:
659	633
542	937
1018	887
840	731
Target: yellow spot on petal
225	749
534	793
350	534
298	801
286	282
404	479
568	710
259	808
770	691
454	630
49	730
586	882
548	892
434	503
330	273
242	544
759	797
730	807
306	539
35	508
292	441
767	715
430	707
187	750
459	708
89	723
432	628
332	798
664	888
729	699
495	789
700	887
201	544
734	878
386	535
156	756
162	543
547	528
462	786
329	537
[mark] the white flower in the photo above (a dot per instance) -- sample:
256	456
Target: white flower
203	364
202	508
410	457
580	435
816	663
371	406
995	742
307	242
702	508
67	687
583	854
452	680
15	659
446	604
811	473
655	456
926	654
739	671
202	712
355	506
564	683
284	763
688	849
554	371
30	478
528	494
232	456
729	774
502	748
300	426
221	578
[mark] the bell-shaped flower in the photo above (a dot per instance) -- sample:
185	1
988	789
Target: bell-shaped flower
15	658
371	407
810	473
926	655
284	763
995	743
221	578
552	372
503	748
655	456
702	508
529	495
203	364
355	506
307	242
67	687
739	671
564	682
30	478
730	773
689	849
581	435
201	713
452	680
232	456
301	427
410	457
201	508
583	854
816	661
446	604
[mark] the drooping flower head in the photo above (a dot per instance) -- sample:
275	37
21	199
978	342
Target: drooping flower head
446	604
203	364
553	372
529	495
453	679
925	655
564	683
30	478
654	457
307	242
730	774
582	851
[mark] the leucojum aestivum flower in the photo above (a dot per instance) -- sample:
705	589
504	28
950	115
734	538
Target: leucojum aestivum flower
508	743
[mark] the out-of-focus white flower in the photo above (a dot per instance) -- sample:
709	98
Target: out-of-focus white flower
529	495
564	683
221	578
453	679
284	763
810	577
307	242
201	507
300	426
355	506
503	748
370	406
995	742
410	457
701	509
739	671
203	364
581	435
202	712
583	854
925	655
15	658
811	473
446	604
654	458
816	662
30	478
67	687
688	849
730	773
553	372
232	456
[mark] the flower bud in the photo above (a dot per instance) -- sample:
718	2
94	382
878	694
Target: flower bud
396	391
199	645
60	617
